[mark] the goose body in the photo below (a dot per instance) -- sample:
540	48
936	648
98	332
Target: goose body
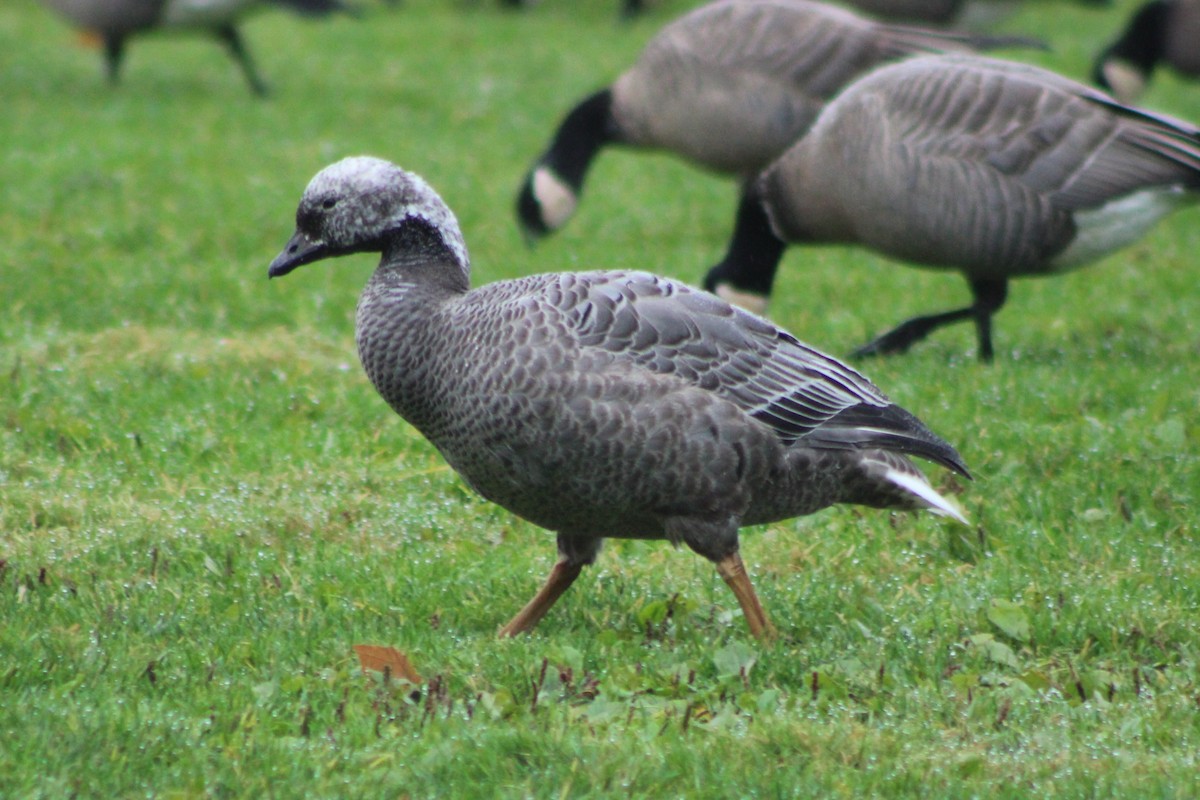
959	14
605	404
995	169
728	86
1160	32
975	14
115	21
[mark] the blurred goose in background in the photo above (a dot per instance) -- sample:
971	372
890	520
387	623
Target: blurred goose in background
993	168
117	20
728	87
1161	32
959	14
628	8
605	404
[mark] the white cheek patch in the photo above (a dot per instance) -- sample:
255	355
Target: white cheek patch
1126	80
555	197
1119	223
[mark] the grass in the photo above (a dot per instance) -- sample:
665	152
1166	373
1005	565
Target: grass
204	506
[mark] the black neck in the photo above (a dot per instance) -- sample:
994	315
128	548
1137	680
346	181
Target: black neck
585	130
417	250
754	251
1142	43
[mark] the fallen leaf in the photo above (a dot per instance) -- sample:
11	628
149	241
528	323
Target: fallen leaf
382	658
997	652
1011	619
735	658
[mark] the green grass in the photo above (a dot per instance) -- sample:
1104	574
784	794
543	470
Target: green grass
204	505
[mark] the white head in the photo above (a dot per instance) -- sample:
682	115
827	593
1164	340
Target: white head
356	205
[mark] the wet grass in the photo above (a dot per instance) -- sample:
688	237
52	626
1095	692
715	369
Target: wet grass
204	506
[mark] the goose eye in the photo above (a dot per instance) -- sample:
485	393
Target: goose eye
328	203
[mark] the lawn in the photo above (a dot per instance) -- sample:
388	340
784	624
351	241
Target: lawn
204	506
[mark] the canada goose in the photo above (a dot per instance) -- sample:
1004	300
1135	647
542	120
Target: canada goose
628	8
116	20
1163	31
605	404
993	168
728	86
928	12
961	14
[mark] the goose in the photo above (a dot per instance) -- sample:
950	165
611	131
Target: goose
728	86
996	169
934	12
607	403
1162	31
117	20
961	14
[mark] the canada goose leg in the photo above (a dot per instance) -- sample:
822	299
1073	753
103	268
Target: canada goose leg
989	295
114	49
733	572
573	556
237	48
632	8
909	332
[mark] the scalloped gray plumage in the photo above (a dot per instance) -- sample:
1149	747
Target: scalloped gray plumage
605	404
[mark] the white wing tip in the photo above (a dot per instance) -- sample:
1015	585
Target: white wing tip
918	486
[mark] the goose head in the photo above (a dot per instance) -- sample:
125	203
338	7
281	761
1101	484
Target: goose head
544	204
363	204
1125	66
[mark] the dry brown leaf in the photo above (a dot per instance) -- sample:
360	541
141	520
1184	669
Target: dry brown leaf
382	658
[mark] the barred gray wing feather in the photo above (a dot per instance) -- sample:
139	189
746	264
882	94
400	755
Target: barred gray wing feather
1072	144
800	393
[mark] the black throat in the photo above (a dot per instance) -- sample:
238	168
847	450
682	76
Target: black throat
754	251
417	250
1143	41
589	127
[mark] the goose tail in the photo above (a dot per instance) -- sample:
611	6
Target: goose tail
916	485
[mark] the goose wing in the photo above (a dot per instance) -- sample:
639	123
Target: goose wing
814	47
1072	145
802	394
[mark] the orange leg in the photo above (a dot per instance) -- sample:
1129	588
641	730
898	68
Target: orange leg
561	577
733	572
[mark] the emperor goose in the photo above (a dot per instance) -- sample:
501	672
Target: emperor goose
116	20
605	404
1163	31
728	87
995	169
